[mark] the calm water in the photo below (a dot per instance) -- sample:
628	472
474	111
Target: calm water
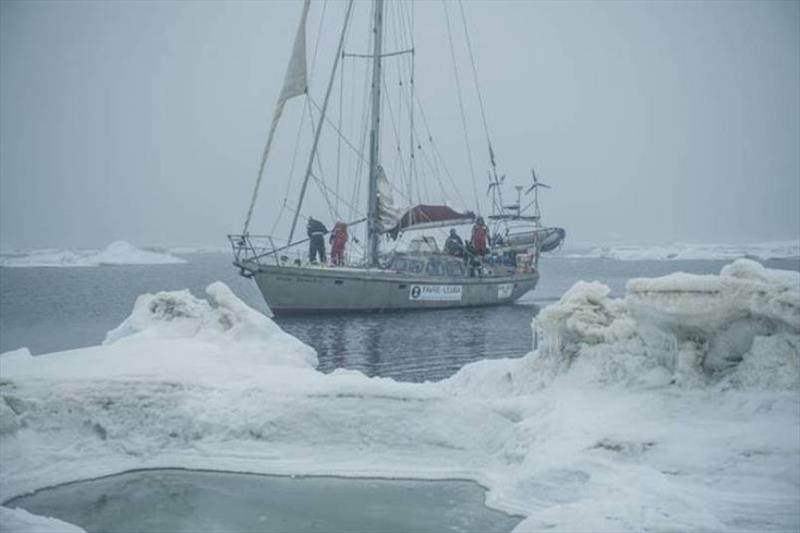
50	309
191	501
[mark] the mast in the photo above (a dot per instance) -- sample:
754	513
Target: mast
373	225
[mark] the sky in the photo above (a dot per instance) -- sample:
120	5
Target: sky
653	122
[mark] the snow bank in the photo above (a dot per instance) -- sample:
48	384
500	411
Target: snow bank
674	408
687	251
116	253
20	520
740	329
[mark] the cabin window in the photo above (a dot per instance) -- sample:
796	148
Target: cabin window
400	264
415	267
454	268
434	268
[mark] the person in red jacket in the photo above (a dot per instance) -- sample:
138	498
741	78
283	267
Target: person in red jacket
479	237
338	240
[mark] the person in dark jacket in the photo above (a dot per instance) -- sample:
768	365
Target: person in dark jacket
316	242
454	245
472	261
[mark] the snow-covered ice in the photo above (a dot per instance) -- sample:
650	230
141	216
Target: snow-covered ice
673	408
685	251
18	520
116	253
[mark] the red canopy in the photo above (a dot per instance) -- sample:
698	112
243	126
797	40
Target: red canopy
426	214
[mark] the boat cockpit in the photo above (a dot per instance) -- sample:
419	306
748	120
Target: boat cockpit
428	265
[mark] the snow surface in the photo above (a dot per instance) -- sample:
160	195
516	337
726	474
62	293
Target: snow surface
676	407
116	253
18	520
685	251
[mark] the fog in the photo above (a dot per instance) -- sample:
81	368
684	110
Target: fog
652	121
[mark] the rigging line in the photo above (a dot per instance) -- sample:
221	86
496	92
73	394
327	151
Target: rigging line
477	85
411	160
461	107
330	123
339	139
397	43
319	38
324	107
402	68
364	122
351	114
339	128
437	155
334	216
292	166
434	167
361	162
439	160
356	191
388	54
302	119
317	158
397	139
438	180
320	181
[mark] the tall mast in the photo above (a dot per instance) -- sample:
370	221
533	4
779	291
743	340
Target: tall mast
373	228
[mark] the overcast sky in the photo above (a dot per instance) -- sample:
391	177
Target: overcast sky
653	121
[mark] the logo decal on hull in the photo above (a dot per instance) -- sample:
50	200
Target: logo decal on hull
435	293
504	290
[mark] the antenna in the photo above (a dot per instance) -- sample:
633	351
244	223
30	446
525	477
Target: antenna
535	189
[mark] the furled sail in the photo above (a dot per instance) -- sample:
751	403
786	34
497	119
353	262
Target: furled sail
295	83
388	215
426	216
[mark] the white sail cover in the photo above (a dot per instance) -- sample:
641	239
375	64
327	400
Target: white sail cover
388	215
295	83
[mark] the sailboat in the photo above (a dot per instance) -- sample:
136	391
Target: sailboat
421	275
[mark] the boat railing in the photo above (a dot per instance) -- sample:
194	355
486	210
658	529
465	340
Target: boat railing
262	249
254	248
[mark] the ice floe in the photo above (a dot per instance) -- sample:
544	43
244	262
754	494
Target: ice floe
673	408
116	253
686	251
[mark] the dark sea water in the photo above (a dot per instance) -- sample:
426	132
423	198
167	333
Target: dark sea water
53	309
179	501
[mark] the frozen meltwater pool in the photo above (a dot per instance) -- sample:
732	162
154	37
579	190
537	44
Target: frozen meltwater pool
195	501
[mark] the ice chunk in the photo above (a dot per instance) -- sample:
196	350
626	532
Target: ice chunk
223	319
740	328
686	251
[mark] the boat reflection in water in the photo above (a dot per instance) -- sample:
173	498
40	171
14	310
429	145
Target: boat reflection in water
414	345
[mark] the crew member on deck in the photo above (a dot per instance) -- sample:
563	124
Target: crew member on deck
316	242
479	237
338	240
454	245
